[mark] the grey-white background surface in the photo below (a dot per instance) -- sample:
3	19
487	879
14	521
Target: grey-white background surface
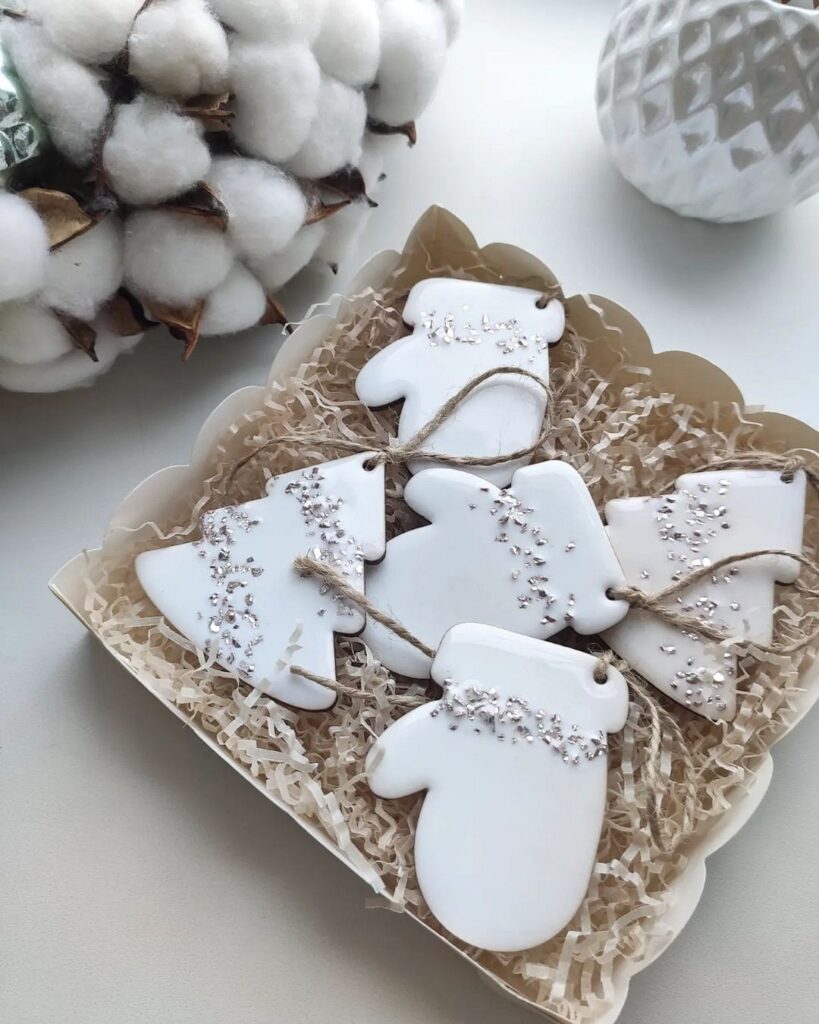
143	881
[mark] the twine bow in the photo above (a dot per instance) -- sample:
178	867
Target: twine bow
413	448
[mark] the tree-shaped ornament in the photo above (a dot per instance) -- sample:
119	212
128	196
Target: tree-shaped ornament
533	559
460	330
659	541
234	593
513	759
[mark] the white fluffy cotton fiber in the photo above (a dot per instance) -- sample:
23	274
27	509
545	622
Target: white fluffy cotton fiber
276	270
413	51
23	249
66	95
93	31
174	258
153	153
71	370
31	334
349	43
177	48
239	302
266	207
277	20
277	90
334	140
86	271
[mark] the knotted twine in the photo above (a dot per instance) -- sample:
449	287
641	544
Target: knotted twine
661	722
398	454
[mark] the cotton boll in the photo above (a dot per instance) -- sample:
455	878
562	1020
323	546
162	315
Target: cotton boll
265	206
174	258
280	20
93	31
336	133
153	153
72	370
238	303
86	271
343	232
349	43
177	48
66	95
23	249
453	12
277	90
374	153
277	270
413	50
30	334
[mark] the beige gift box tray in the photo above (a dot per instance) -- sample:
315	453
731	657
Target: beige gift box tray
439	240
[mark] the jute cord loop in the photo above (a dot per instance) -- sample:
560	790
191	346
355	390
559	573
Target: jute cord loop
413	448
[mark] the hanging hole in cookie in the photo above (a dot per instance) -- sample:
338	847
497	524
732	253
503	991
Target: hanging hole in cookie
601	674
788	476
543	301
371	463
611	594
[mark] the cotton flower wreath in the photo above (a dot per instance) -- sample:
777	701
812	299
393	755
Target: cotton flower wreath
202	154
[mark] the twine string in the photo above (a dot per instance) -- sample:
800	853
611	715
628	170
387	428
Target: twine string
657	603
413	448
786	463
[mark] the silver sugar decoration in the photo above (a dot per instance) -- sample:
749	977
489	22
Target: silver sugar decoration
229	611
508	335
514	720
321	514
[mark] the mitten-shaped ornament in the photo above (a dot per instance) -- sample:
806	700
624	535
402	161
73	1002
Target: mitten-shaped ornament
234	593
533	559
460	330
659	541
513	759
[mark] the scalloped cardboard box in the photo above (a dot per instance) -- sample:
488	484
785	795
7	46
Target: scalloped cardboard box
690	377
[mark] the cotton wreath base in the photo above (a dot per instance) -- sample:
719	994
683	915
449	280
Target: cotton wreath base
630	422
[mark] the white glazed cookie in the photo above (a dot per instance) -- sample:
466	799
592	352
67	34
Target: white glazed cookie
532	559
236	587
659	540
513	759
461	329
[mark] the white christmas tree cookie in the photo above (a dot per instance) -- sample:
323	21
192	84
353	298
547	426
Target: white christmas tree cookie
513	759
461	329
533	559
659	540
234	593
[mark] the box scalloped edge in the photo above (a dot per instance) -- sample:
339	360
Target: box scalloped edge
689	374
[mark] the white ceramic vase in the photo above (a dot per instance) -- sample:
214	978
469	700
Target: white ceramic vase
711	107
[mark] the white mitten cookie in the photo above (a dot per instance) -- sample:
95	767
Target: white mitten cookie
513	759
462	329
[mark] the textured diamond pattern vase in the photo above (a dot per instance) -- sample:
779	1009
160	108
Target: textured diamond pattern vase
711	107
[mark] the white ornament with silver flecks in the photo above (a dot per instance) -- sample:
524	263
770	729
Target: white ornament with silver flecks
513	760
460	330
533	559
236	596
658	541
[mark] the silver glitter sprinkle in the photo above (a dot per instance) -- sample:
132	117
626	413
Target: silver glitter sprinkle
515	719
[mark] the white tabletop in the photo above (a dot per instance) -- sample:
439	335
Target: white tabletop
144	882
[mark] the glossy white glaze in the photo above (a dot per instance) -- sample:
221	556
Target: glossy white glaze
508	831
710	516
532	559
461	329
335	512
